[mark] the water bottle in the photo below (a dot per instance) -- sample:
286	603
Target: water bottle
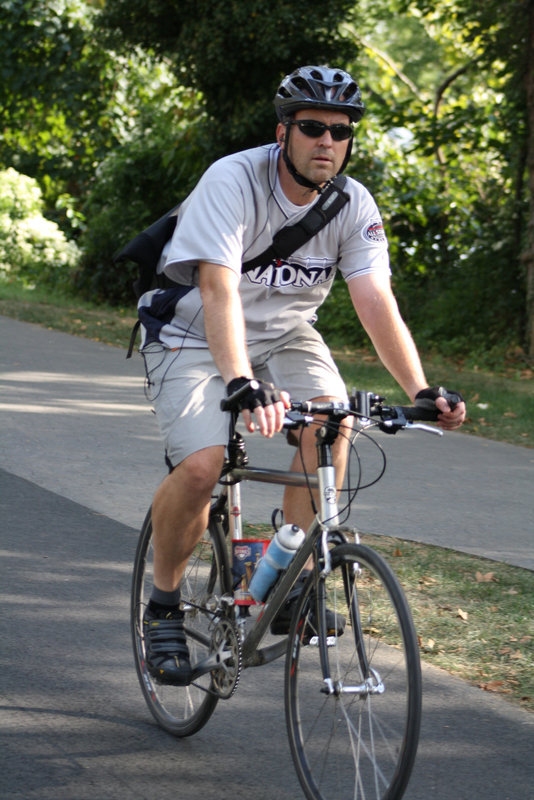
278	556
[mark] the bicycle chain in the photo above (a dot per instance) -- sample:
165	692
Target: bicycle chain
225	641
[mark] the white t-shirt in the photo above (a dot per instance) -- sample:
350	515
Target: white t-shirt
231	217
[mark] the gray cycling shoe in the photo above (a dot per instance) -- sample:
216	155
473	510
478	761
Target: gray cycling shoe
167	654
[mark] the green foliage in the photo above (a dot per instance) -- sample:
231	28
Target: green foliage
117	106
455	259
54	89
33	250
443	150
234	52
133	186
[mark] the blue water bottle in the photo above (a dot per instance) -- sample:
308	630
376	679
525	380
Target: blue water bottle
278	556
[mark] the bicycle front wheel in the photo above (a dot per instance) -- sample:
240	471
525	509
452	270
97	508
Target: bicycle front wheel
181	710
356	734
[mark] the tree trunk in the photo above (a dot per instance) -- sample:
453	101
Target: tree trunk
528	256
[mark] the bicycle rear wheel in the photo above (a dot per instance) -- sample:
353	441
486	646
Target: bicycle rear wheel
181	710
360	740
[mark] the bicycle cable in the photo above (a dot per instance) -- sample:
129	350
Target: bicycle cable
349	491
363	433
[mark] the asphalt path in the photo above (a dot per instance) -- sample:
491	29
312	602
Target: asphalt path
80	458
75	421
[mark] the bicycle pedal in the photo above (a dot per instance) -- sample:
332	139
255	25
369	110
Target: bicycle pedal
330	641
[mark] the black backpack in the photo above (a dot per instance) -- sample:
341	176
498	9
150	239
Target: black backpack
145	249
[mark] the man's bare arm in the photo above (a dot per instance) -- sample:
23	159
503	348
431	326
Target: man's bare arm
379	314
225	331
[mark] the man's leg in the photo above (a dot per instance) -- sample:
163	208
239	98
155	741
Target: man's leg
298	509
302	364
179	518
186	390
180	514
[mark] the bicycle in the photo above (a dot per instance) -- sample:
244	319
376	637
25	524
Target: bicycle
352	698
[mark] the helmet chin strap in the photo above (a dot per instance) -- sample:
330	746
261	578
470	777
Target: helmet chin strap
295	174
300	179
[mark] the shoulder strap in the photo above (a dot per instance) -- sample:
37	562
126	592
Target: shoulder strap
145	249
291	237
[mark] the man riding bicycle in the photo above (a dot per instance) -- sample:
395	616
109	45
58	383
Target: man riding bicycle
203	343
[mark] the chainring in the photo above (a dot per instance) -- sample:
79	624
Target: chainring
226	645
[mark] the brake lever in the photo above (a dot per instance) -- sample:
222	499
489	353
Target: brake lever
420	426
394	425
294	419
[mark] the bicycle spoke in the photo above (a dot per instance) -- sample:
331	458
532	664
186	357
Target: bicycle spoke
358	740
181	710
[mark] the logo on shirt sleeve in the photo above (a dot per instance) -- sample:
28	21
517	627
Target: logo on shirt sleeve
374	232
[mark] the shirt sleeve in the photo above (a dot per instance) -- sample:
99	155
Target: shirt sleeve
364	248
210	226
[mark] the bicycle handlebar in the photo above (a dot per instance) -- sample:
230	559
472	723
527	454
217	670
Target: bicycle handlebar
367	406
364	405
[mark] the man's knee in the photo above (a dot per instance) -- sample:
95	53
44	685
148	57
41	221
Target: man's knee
200	471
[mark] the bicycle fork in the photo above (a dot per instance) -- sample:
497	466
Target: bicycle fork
329	518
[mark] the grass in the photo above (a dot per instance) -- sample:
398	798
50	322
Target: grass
59	312
473	616
500	403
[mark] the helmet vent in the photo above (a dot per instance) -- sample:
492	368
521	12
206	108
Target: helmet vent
349	92
302	85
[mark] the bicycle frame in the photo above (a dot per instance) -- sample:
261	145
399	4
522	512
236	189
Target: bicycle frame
327	518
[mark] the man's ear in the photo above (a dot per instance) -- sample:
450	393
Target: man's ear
280	133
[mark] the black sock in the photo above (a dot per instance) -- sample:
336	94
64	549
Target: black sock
164	601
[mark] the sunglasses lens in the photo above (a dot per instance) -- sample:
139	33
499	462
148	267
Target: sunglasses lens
311	128
340	132
315	129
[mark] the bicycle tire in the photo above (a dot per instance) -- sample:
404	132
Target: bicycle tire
359	745
181	710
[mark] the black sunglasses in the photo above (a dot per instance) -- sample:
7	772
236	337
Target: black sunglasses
315	129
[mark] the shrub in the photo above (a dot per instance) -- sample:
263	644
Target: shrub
137	183
33	250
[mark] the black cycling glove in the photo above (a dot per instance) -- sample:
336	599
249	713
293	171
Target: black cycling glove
255	393
426	398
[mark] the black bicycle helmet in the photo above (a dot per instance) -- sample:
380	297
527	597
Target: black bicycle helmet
319	87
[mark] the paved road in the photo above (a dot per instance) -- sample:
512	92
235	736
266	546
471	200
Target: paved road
80	458
75	421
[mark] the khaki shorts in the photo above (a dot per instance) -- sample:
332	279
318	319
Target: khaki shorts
186	387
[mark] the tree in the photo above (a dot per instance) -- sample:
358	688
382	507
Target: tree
117	106
232	56
528	252
443	147
33	249
233	52
499	46
54	93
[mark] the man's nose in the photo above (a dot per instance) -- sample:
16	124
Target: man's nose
326	139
